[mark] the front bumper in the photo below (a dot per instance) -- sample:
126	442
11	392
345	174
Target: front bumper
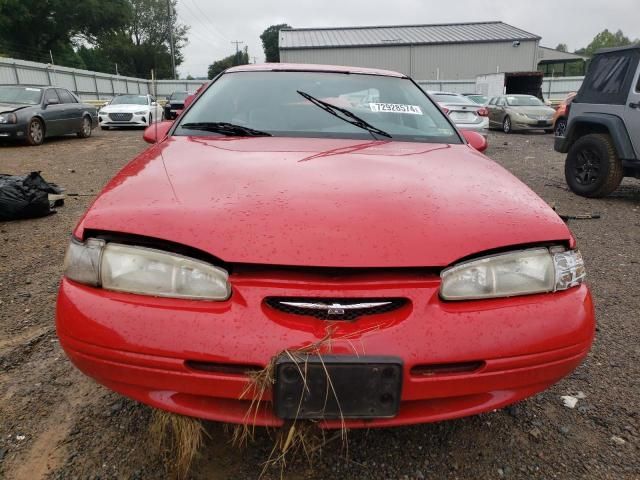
12	131
173	112
135	121
139	345
520	123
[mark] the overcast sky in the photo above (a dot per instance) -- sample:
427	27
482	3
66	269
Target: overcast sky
216	23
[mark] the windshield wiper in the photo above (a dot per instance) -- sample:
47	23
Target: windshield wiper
224	128
352	118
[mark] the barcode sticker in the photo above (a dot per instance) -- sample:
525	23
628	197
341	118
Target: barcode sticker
395	108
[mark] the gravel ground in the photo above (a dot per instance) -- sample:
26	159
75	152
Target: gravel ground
55	423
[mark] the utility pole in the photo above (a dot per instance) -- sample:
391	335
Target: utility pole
171	42
237	44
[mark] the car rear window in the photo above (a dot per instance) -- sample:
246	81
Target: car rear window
444	98
278	103
609	78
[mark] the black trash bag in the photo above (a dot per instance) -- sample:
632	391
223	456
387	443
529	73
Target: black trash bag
25	196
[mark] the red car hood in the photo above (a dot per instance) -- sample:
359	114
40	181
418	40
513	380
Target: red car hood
323	202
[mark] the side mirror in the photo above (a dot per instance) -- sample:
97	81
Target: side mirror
476	140
156	131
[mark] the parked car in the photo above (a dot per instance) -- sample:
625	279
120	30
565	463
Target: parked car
602	136
560	117
192	96
466	114
175	104
519	112
130	110
477	98
371	248
35	113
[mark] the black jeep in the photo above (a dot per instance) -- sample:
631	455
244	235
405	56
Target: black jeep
602	136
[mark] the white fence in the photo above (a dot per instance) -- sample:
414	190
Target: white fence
102	86
553	88
87	85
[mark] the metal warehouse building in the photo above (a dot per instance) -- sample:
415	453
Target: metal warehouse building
424	52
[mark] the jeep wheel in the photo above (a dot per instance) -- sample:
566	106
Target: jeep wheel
561	126
592	168
506	125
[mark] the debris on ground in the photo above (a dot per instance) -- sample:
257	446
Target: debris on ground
27	196
570	401
178	438
581	216
618	440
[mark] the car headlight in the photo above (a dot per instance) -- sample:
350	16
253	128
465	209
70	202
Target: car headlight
144	271
8	118
522	272
140	113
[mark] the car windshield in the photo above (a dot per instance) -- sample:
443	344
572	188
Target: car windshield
448	98
129	100
299	104
178	96
480	99
20	95
524	101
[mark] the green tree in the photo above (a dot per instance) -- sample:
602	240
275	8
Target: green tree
143	43
562	47
34	30
270	42
219	66
605	39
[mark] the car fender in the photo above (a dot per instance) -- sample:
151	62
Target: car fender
28	118
93	115
597	123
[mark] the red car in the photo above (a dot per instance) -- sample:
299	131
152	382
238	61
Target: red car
333	225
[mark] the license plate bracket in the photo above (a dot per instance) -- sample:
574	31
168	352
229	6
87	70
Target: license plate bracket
337	386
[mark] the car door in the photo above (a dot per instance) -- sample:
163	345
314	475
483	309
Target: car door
53	113
632	113
493	110
72	111
500	110
155	109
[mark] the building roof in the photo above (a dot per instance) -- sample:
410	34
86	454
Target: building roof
546	54
475	32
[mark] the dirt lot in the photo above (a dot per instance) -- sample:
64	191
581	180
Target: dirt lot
55	423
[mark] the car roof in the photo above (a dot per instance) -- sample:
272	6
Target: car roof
302	67
635	46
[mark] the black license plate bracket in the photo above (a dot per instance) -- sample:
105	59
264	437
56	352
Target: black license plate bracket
337	387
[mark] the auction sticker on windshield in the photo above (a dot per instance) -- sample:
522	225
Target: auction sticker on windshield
395	108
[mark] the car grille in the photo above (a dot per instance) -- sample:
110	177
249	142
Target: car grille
345	309
121	117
